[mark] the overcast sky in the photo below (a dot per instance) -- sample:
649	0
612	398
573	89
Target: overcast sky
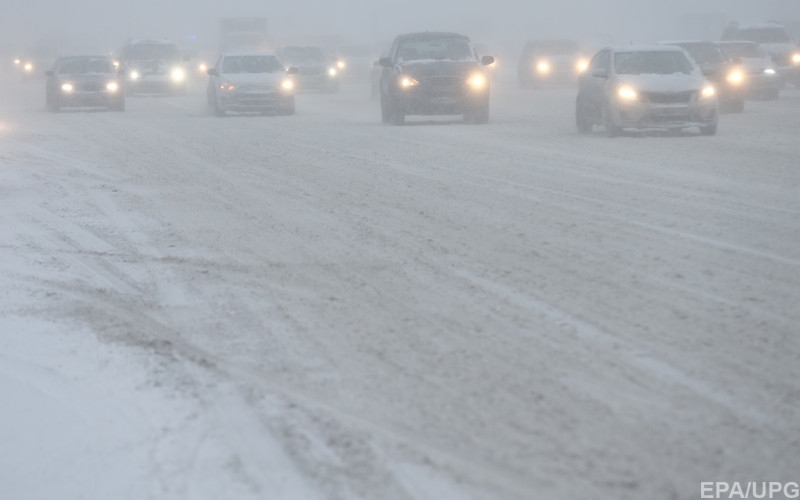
90	24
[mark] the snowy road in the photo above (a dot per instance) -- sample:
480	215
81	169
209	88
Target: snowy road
322	306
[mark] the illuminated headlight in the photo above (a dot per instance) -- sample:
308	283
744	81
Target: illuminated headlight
228	86
134	75
582	65
708	92
112	86
28	67
796	58
17	62
340	64
627	94
332	72
477	81
769	71
407	82
202	67
543	67
287	85
67	87
116	64
177	74
735	77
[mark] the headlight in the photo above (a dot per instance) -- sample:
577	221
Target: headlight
177	74
627	94
28	67
477	81
134	75
407	82
116	64
227	86
708	92
202	67
340	64
796	58
17	62
112	86
332	71
735	77
67	87
769	71
287	84
543	67
582	65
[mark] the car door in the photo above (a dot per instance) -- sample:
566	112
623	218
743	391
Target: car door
592	82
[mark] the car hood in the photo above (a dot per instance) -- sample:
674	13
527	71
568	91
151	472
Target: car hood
88	77
756	63
779	49
663	83
253	78
434	68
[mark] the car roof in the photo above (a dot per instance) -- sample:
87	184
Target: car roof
149	41
422	35
84	56
646	48
737	42
248	54
761	25
686	42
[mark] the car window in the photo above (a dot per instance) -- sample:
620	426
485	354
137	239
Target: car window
746	50
457	49
705	53
80	66
251	64
151	51
601	60
292	55
652	63
767	34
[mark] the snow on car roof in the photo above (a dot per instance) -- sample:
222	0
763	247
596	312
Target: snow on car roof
646	48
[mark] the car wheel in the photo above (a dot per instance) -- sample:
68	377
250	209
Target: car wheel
612	130
386	109
397	117
216	108
582	121
479	114
289	109
708	129
53	105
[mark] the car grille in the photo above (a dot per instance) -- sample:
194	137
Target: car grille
310	71
668	97
91	86
442	84
782	59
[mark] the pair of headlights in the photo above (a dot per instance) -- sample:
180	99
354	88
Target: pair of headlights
476	81
543	67
626	93
177	75
286	85
68	87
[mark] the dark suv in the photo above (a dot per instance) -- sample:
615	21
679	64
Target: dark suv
434	73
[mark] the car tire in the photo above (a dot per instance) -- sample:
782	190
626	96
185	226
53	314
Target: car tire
612	130
289	109
53	105
708	130
582	121
386	109
478	115
216	108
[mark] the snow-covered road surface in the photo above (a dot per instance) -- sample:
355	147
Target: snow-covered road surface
323	306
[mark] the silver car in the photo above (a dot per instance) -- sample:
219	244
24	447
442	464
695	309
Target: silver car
645	87
251	82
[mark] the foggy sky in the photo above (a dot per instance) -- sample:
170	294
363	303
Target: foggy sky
103	25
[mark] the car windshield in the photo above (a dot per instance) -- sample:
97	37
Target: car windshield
450	48
295	55
554	48
148	51
84	65
746	50
758	35
705	53
652	63
251	64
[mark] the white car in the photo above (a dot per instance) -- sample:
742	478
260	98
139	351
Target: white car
645	87
251	82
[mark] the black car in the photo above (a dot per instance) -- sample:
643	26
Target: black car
315	70
83	81
434	74
724	72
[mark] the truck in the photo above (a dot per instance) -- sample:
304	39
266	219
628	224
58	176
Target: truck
243	34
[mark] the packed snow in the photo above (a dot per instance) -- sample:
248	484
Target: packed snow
321	306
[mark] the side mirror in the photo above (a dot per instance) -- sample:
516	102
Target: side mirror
385	62
487	60
49	73
212	71
291	71
600	73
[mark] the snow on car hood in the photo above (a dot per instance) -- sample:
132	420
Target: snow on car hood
427	68
678	82
254	78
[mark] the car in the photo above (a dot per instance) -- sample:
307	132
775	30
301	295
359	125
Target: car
152	67
723	71
776	41
355	61
434	73
34	61
315	70
550	62
760	75
83	81
251	82
645	87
